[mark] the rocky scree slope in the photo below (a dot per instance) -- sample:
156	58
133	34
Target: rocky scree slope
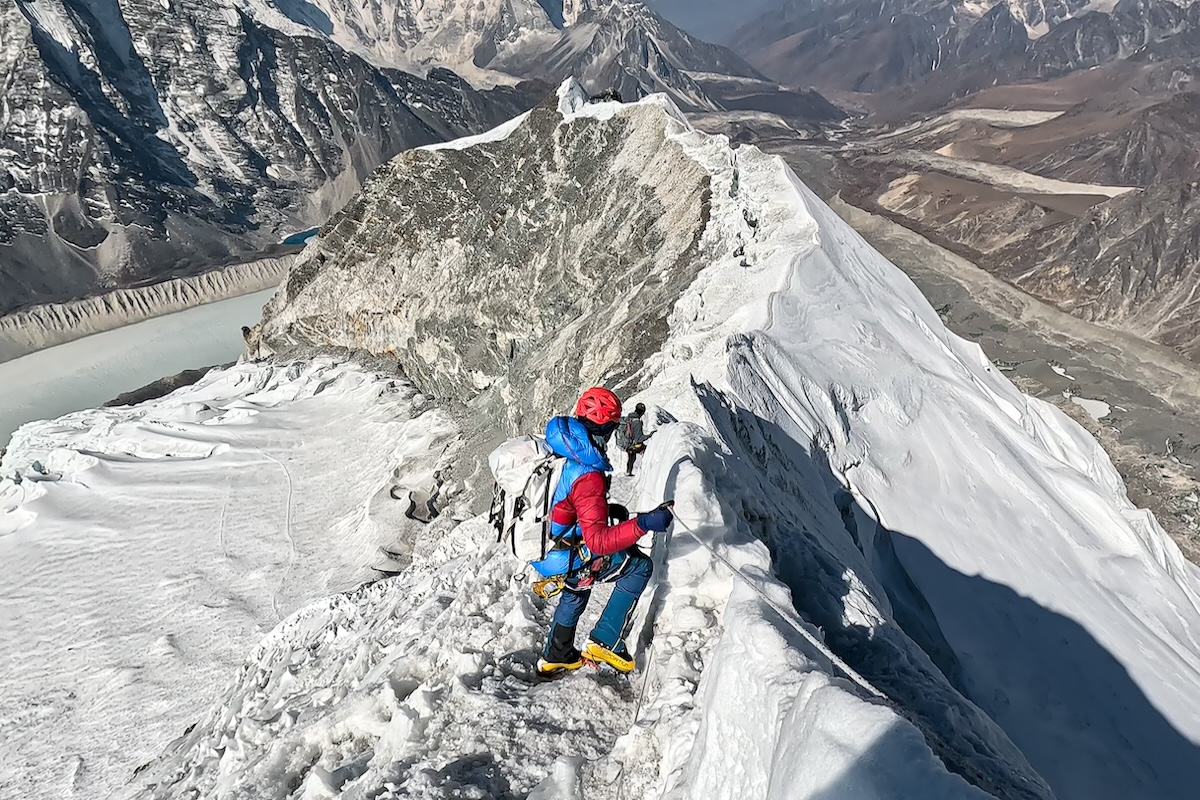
944	49
142	139
1127	261
511	268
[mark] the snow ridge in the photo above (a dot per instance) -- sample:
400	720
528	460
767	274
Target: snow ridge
968	550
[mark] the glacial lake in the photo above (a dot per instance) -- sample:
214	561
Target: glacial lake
89	372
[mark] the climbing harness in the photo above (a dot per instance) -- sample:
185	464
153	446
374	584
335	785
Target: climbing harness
550	587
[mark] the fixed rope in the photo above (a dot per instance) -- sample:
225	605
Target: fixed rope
841	665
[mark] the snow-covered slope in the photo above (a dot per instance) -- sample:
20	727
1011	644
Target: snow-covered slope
148	549
850	383
875	510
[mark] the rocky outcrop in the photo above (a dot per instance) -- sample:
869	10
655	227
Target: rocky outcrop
148	138
511	272
712	20
1132	263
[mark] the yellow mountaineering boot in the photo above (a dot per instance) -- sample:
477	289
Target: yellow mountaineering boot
545	667
618	657
560	654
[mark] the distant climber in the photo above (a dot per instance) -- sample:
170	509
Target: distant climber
632	437
588	548
607	96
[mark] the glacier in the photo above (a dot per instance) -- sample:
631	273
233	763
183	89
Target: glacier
39	327
854	476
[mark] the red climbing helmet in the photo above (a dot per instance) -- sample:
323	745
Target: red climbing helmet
599	405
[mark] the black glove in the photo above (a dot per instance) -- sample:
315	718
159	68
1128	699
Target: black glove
657	520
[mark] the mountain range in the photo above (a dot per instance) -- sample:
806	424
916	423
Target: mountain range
971	116
138	141
151	138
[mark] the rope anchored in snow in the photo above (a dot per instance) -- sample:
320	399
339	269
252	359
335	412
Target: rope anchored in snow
841	665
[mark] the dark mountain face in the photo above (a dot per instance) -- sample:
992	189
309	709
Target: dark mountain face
139	141
711	20
871	47
1132	263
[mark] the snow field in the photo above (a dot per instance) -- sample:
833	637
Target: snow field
147	548
968	550
403	689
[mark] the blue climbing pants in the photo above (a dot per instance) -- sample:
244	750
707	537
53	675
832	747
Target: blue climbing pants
614	621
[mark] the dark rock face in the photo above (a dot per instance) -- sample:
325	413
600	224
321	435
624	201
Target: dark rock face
998	34
507	273
863	46
848	45
139	141
711	20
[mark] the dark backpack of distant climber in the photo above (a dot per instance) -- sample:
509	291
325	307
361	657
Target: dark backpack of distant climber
631	436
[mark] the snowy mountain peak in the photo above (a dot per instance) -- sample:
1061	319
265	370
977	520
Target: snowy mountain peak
608	44
143	138
612	243
864	504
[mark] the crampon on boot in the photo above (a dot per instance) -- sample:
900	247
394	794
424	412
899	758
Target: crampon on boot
617	657
560	653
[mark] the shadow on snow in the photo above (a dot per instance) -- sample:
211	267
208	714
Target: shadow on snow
1071	708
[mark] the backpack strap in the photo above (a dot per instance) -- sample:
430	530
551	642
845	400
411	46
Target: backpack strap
496	512
547	511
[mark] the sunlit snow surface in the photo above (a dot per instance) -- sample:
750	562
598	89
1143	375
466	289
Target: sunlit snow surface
91	371
949	536
166	540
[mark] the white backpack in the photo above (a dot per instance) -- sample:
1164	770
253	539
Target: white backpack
526	473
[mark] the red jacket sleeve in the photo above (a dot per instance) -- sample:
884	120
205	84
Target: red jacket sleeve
588	503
